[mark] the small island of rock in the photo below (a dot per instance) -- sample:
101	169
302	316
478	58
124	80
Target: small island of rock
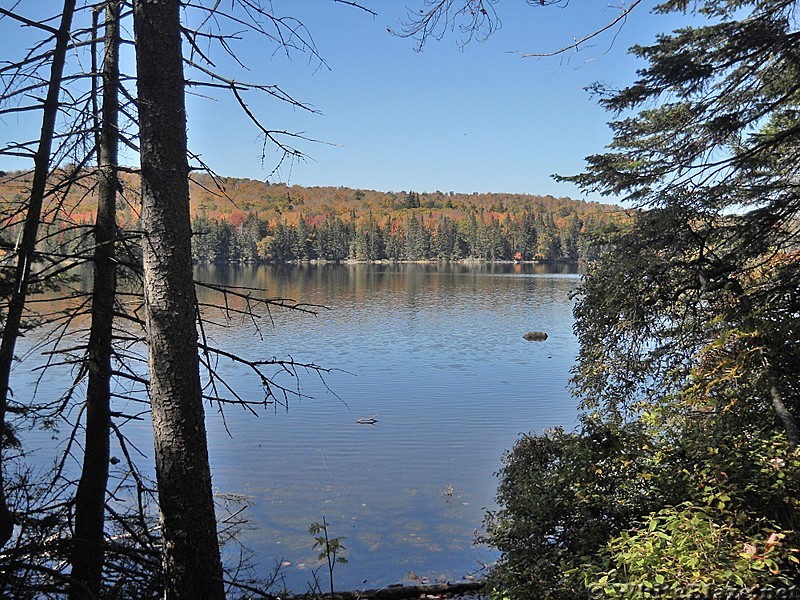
535	336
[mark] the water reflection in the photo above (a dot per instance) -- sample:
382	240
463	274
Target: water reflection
436	352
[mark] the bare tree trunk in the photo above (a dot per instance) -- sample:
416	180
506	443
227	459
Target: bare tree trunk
27	246
88	549
191	549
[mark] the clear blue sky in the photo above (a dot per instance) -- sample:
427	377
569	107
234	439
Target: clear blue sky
477	119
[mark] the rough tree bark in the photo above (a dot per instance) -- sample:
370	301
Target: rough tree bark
27	247
88	549
191	549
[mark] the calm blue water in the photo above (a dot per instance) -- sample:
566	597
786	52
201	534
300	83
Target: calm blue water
436	354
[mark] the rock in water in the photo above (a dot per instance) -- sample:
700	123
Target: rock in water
535	336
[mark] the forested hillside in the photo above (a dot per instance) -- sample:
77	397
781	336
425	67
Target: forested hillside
247	220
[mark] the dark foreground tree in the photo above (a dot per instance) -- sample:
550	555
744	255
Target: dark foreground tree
90	497
716	257
114	542
27	247
191	551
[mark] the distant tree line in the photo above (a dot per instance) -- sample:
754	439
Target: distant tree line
416	236
555	230
243	220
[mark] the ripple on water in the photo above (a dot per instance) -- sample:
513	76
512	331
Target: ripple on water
437	355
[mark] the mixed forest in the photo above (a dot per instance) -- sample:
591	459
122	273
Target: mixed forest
242	220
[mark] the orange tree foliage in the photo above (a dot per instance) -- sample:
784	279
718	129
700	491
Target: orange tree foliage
245	219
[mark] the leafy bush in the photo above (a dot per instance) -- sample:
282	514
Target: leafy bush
562	496
690	549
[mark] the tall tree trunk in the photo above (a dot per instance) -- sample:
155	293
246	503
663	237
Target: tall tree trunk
27	248
87	549
191	550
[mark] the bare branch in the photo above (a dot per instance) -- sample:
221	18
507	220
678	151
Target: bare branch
620	19
36	24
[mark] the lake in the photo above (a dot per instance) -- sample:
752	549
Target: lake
435	354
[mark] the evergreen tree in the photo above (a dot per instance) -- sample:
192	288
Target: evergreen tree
447	244
468	229
203	239
321	243
369	241
411	200
493	243
362	249
548	244
249	233
394	240
225	241
417	240
569	238
301	248
687	462
375	239
528	238
284	241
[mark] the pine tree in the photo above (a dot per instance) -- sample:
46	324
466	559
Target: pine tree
713	155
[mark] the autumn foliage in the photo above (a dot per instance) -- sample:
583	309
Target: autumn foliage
247	220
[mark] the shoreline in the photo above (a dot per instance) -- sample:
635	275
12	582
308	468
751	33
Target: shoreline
388	261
